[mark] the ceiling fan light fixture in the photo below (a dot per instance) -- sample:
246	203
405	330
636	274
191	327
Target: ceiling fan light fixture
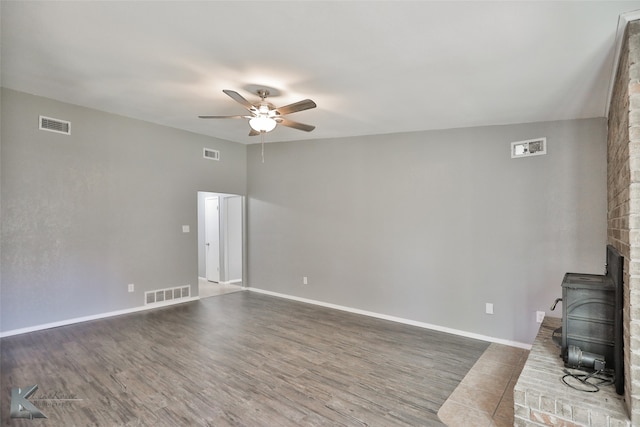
264	116
262	124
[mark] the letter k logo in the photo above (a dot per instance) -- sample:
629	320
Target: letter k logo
21	407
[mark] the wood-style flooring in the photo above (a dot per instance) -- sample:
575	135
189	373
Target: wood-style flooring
241	359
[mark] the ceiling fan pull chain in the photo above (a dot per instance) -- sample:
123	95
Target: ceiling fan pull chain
262	143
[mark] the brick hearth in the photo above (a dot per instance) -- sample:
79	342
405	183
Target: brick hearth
542	399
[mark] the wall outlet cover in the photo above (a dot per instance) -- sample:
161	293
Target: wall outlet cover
489	308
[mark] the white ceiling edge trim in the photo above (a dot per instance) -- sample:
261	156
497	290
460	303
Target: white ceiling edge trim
623	20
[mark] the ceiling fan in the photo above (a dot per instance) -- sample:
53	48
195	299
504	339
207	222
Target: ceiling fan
264	116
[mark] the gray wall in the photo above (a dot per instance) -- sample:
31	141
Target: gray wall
425	226
86	214
430	226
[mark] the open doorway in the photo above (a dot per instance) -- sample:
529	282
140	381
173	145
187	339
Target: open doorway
220	243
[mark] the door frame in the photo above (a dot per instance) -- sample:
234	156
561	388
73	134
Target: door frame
201	196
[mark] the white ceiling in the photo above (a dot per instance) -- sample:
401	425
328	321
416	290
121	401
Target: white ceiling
372	67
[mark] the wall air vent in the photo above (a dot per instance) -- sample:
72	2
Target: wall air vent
55	125
530	147
210	154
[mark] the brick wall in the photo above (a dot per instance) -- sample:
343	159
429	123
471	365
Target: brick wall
623	196
634	220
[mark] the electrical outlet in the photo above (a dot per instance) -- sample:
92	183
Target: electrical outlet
131	287
185	228
489	308
305	280
540	316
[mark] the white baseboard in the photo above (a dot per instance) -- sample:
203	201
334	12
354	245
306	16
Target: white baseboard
95	317
397	319
276	294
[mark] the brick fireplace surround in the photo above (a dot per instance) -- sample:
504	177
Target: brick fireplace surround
623	201
540	399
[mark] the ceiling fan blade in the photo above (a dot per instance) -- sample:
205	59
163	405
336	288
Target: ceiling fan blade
239	98
225	117
295	125
296	106
253	132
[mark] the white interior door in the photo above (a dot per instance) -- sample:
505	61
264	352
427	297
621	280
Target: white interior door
212	238
233	239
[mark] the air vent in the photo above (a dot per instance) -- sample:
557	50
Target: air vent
210	154
530	147
55	125
166	295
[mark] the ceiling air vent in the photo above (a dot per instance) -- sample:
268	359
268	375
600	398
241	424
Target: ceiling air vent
530	147
55	125
210	154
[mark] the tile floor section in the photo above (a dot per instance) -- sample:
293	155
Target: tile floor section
484	398
211	289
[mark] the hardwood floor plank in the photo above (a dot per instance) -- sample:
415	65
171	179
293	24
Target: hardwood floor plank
241	359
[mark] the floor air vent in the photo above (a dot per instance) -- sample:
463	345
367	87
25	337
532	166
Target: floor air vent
55	125
168	294
210	154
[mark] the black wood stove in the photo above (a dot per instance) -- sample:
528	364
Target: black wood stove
591	332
